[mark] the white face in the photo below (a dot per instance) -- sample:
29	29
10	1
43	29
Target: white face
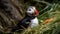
31	9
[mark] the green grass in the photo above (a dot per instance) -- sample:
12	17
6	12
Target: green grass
50	28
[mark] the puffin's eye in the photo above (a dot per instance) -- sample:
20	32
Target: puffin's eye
29	9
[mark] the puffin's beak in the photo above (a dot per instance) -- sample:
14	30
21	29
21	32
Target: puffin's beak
36	12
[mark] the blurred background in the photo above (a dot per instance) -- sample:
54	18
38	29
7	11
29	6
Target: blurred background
11	11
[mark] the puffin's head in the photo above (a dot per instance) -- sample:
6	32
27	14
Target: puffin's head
32	10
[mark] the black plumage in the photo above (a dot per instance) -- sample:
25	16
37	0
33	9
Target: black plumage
23	23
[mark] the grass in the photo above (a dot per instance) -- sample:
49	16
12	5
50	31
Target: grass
47	28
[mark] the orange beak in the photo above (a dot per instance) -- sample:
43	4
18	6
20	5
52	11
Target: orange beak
36	12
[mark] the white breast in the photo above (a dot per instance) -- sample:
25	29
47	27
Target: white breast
34	22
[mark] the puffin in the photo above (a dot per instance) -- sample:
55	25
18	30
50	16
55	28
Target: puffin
30	20
33	13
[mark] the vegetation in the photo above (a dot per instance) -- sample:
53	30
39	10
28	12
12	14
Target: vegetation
11	11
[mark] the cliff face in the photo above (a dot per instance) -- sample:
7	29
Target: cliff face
10	13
